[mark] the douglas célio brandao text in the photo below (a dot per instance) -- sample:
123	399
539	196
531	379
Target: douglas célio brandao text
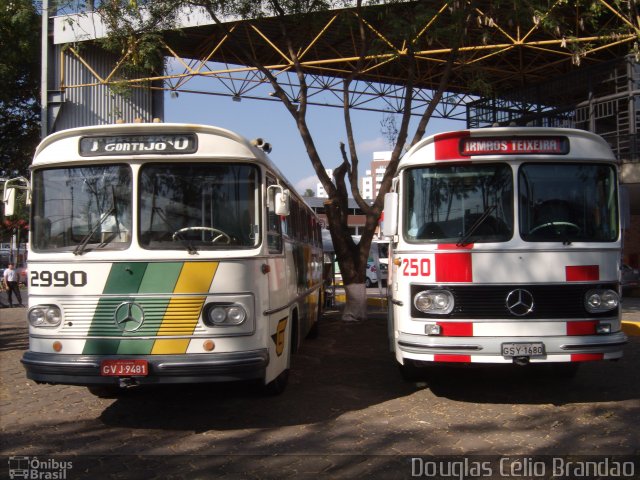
526	467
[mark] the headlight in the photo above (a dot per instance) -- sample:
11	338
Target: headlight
220	315
596	301
45	316
439	302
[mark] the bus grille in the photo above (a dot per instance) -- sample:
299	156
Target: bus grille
489	301
162	316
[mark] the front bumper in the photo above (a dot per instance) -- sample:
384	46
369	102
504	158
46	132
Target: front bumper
163	369
488	349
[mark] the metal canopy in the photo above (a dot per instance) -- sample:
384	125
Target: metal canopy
510	55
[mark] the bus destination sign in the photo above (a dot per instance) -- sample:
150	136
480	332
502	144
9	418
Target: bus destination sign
514	146
138	144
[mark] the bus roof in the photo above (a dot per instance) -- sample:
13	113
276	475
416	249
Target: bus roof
496	143
63	146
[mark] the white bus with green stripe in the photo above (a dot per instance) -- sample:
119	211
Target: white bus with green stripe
166	253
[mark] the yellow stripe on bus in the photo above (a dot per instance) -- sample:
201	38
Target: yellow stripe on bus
182	313
170	346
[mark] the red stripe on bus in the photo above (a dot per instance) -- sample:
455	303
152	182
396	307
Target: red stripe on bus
455	246
454	267
456	329
581	328
452	358
447	146
582	273
586	357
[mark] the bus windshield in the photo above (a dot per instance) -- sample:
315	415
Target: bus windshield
81	208
568	202
459	203
199	206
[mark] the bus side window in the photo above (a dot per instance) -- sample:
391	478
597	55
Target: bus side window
274	228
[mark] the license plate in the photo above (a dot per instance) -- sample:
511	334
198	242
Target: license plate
124	368
531	349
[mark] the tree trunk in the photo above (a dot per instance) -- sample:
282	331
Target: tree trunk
355	309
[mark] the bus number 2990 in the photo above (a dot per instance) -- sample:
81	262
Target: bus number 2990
59	278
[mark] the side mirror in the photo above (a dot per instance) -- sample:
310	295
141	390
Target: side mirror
282	203
390	225
9	201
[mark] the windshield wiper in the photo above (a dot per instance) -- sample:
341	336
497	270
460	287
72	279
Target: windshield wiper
464	239
79	250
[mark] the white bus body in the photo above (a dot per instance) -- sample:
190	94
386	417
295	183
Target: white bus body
164	253
505	247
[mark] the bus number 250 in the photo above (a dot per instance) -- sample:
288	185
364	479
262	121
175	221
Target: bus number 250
414	267
58	279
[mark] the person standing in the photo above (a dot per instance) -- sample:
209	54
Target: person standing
12	284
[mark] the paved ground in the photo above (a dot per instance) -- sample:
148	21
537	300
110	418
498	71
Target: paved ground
345	414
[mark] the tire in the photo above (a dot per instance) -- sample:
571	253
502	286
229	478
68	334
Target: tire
367	283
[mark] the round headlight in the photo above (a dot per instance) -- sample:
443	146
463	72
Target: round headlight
439	302
424	303
594	301
218	315
36	316
45	316
597	301
222	315
610	299
236	315
53	316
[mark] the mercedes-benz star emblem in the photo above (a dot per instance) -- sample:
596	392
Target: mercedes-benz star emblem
129	316
520	302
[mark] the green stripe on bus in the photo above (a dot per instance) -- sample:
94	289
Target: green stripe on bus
125	278
97	346
135	347
131	279
103	325
160	277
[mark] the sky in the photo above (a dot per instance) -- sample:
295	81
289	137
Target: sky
271	121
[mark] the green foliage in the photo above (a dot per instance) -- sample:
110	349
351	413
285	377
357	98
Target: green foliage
20	80
135	35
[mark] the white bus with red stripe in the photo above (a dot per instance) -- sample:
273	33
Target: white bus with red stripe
505	248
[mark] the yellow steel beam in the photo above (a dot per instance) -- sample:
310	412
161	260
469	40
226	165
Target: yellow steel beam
468	55
624	19
430	23
318	36
380	35
84	62
271	44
